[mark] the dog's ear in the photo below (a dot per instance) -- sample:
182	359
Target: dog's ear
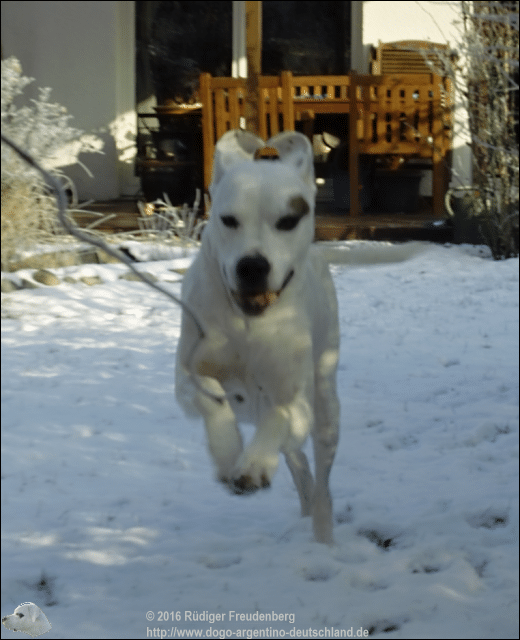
295	148
234	146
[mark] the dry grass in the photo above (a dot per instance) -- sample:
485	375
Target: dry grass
28	219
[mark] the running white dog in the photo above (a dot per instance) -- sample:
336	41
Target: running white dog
28	618
269	311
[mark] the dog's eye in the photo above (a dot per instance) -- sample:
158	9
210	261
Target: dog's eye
20	615
230	222
287	223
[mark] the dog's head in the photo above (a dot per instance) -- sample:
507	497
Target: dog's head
262	214
28	618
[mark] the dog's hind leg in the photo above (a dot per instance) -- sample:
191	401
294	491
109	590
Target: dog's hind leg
302	476
326	429
325	438
324	452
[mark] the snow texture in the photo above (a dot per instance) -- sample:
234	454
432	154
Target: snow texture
114	525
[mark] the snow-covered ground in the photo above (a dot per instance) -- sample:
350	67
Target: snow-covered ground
114	526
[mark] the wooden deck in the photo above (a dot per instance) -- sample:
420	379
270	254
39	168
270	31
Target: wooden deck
123	216
333	226
345	227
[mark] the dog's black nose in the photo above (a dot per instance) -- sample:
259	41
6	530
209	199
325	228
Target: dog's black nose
252	272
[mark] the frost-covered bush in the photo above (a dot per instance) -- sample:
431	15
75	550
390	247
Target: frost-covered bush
485	81
42	129
162	220
491	35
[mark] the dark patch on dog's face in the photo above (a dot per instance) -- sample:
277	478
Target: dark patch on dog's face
298	208
299	205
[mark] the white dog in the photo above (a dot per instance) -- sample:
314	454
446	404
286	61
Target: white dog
269	312
28	618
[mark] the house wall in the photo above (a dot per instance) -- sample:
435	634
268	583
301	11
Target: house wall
391	21
84	51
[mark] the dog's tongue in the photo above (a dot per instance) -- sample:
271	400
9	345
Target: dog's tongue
255	304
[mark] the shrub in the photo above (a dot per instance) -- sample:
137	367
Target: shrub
42	129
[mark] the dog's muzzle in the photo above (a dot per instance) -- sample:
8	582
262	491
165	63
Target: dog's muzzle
253	295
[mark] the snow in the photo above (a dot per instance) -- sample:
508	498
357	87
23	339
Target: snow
110	509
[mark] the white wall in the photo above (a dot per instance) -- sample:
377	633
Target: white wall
391	21
84	51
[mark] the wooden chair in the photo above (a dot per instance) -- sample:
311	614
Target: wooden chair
223	106
399	116
407	56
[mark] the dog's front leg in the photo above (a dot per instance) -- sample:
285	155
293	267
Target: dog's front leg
281	428
257	464
224	439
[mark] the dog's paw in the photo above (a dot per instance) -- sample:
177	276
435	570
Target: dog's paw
246	484
253	471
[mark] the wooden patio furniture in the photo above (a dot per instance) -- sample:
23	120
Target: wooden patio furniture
404	117
389	115
407	56
223	107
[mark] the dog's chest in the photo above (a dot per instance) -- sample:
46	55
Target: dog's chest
258	369
245	370
249	399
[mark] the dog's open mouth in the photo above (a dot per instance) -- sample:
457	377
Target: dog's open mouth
255	303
